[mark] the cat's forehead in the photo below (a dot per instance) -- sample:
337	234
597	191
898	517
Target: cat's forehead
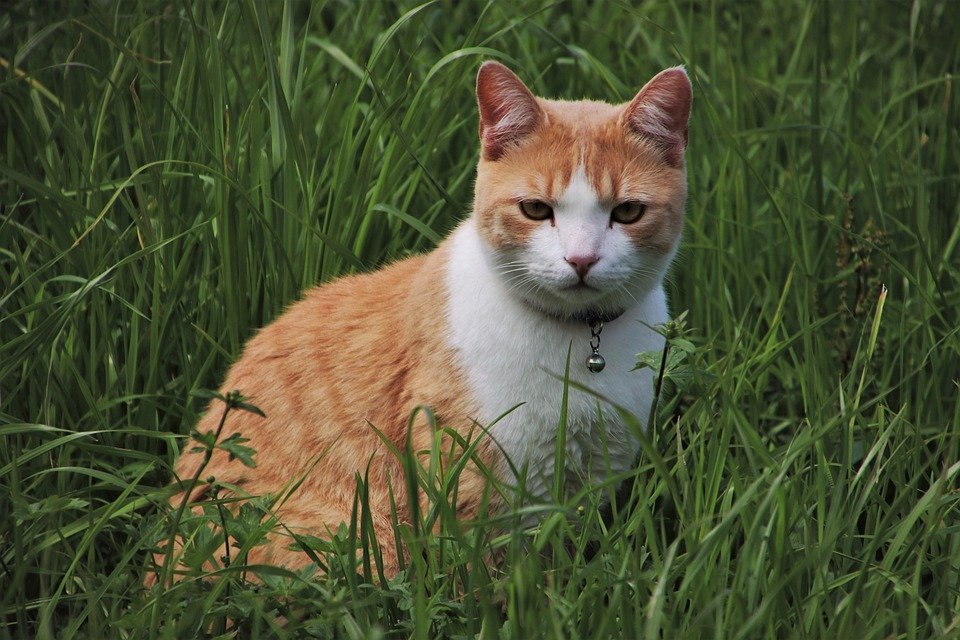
581	138
580	113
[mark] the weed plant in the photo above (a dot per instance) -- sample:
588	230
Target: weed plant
173	174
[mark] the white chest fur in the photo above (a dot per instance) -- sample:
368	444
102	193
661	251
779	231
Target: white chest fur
513	355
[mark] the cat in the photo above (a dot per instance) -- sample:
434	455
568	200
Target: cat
577	215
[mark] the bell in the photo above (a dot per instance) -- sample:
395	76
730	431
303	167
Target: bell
596	363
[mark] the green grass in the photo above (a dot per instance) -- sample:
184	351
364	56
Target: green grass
173	174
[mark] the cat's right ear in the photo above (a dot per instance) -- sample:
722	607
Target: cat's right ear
661	111
508	111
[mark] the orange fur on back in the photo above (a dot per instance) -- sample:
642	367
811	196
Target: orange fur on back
360	351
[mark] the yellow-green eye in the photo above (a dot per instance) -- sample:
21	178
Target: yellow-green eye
627	212
536	210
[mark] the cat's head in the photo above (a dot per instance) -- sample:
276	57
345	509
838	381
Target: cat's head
581	203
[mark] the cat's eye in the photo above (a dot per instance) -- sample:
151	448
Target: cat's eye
627	212
536	210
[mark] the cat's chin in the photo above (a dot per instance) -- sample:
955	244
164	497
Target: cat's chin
585	315
584	308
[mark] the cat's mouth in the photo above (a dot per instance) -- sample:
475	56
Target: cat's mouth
566	297
583	292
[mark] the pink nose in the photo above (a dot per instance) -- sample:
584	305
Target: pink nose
582	263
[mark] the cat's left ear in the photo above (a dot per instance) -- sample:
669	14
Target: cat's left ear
508	111
661	110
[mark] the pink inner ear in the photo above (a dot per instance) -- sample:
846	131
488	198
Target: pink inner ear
508	111
660	111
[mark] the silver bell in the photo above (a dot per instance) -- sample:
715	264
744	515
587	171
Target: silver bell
596	363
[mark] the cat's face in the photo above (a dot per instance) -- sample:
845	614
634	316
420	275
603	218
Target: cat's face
581	203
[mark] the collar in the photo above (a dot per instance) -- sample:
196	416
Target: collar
594	316
589	317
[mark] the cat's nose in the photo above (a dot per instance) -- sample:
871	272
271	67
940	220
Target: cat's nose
581	263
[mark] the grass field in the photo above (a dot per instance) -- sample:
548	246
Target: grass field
173	174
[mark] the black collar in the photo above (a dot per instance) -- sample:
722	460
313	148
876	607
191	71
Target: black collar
589	317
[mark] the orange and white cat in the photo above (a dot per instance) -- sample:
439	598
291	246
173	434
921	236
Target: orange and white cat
577	215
